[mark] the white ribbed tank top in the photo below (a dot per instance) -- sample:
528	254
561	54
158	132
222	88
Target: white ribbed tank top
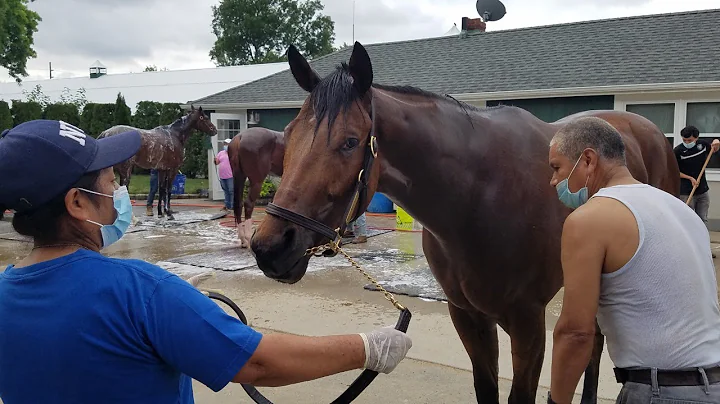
661	308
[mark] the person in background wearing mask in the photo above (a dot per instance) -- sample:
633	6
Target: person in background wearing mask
691	155
79	327
225	175
649	281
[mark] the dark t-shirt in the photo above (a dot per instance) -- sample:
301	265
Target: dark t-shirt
691	162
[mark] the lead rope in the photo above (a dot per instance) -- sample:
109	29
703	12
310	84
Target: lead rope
335	247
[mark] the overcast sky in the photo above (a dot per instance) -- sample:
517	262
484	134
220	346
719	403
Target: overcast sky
127	35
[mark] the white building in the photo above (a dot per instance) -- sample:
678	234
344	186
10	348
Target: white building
161	86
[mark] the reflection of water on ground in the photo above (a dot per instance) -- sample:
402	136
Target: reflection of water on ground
395	259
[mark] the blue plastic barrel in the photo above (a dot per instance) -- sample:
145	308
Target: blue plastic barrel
178	186
380	204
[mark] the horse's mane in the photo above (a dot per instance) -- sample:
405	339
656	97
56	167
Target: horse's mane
335	94
177	124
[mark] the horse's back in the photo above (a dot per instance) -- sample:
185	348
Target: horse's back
114	130
649	156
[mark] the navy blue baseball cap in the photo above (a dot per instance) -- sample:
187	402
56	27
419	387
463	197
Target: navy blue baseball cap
41	159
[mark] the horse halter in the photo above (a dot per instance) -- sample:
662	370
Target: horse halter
353	210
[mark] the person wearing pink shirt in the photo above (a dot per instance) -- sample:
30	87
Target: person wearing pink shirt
225	175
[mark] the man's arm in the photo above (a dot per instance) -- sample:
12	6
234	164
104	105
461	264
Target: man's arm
582	255
280	359
195	336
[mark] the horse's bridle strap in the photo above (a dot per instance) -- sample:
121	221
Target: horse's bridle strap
301	220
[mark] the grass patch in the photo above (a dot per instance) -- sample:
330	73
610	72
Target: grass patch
140	184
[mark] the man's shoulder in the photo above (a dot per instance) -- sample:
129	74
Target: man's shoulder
595	216
129	267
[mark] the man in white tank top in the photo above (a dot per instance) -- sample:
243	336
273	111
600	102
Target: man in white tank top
637	259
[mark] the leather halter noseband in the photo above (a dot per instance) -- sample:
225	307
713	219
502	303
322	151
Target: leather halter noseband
359	198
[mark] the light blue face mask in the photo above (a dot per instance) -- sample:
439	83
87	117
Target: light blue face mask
572	200
225	148
689	145
111	233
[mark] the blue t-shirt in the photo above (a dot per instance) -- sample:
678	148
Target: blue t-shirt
85	328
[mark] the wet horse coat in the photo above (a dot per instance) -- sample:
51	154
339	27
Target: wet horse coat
163	149
477	180
253	153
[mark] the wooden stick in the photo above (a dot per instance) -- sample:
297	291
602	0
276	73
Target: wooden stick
697	181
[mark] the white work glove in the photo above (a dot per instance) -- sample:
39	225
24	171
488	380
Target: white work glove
385	348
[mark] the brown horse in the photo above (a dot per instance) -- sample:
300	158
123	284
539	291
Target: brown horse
477	180
163	149
254	153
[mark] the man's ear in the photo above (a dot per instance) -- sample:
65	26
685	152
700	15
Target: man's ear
78	204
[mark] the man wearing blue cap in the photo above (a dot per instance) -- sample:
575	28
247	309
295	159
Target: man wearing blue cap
79	327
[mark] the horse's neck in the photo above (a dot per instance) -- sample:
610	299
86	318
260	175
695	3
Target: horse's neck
181	129
418	154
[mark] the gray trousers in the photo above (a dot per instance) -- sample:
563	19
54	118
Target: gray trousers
700	204
637	393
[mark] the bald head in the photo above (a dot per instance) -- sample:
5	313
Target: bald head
590	133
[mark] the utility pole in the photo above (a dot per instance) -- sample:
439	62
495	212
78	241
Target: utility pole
51	70
353	21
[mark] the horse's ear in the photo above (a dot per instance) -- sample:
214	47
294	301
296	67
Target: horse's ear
200	109
305	76
361	68
192	108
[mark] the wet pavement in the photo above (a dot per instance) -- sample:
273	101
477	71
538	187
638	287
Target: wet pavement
331	299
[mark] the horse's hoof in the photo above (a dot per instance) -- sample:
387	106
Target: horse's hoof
170	217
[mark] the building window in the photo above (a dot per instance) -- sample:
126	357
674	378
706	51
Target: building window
662	115
706	117
227	129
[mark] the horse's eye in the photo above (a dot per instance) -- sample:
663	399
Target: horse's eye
351	143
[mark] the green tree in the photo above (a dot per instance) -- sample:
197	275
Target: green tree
121	114
6	120
150	68
25	111
63	112
96	118
37	95
87	116
18	24
169	113
259	31
78	99
147	115
196	159
103	118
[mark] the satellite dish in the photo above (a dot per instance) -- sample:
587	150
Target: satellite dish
490	10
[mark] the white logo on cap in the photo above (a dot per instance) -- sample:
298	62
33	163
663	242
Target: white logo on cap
71	132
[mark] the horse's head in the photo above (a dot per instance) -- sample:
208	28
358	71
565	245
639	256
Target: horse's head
200	121
326	148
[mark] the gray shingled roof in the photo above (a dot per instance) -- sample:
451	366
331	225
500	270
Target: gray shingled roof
664	48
